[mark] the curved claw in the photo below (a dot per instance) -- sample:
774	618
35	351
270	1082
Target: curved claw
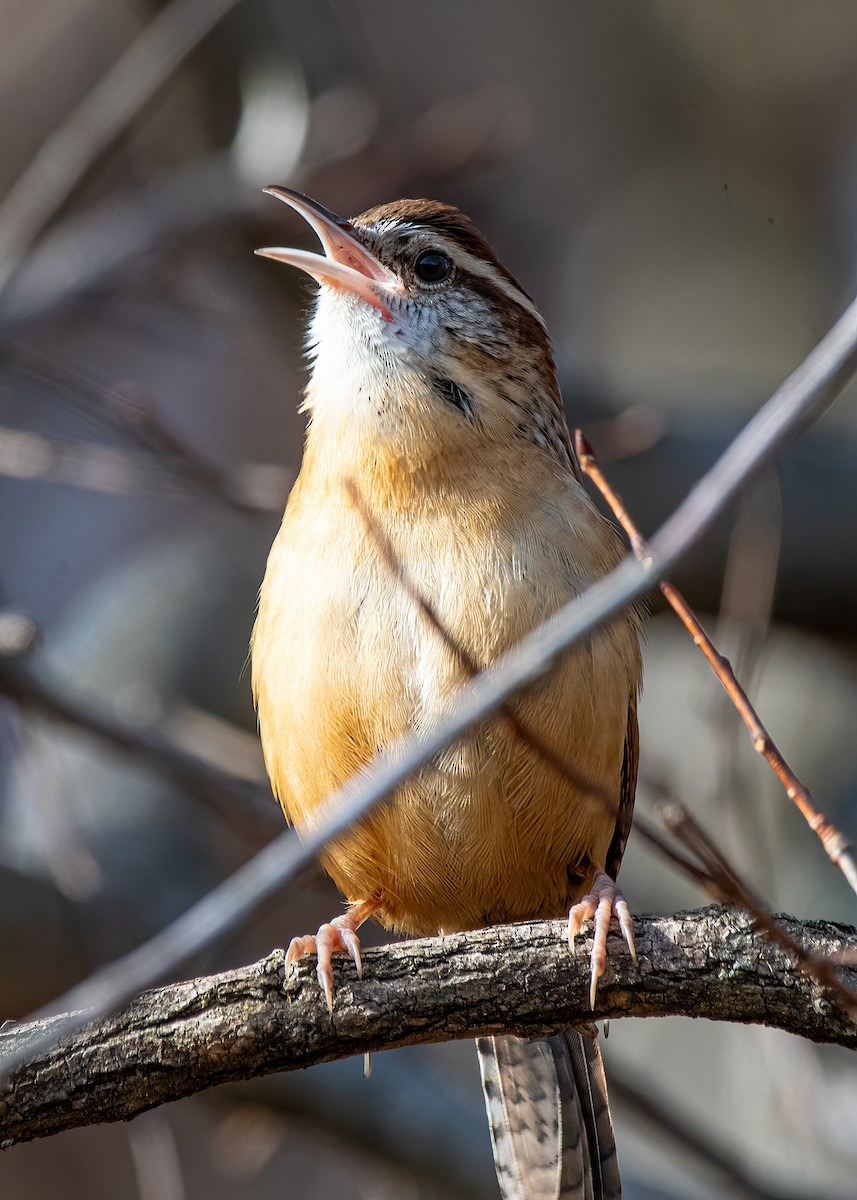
351	943
298	947
598	906
626	924
338	935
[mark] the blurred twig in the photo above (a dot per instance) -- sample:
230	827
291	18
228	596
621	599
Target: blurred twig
630	432
247	807
838	848
133	414
689	1139
810	389
743	619
250	487
520	979
104	112
750	575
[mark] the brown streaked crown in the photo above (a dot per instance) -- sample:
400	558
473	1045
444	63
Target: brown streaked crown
447	220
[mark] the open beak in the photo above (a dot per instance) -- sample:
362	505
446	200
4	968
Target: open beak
345	262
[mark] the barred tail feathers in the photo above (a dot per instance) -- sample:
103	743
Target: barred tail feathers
550	1122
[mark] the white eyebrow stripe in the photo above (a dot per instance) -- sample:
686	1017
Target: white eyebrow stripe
463	258
486	270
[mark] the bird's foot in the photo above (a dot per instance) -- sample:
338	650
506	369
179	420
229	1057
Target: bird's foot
340	934
599	905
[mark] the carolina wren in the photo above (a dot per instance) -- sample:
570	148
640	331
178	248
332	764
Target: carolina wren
433	390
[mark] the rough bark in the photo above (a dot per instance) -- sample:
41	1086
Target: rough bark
521	979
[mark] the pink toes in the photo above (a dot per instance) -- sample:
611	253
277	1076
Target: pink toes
330	938
599	906
338	935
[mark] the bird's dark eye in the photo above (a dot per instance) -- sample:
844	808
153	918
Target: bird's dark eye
432	266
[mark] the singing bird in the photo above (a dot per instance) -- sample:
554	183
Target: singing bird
433	397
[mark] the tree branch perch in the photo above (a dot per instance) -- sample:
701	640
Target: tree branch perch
182	1038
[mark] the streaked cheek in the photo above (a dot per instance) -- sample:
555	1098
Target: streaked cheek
475	322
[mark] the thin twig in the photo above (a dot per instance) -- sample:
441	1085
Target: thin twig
685	827
804	396
839	848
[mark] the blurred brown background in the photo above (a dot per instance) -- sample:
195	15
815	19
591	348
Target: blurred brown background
675	184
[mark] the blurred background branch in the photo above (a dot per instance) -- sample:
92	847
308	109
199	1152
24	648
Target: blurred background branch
68	152
236	791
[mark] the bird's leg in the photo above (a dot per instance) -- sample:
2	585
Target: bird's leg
338	934
599	905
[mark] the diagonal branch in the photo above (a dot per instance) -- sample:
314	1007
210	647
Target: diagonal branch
508	979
